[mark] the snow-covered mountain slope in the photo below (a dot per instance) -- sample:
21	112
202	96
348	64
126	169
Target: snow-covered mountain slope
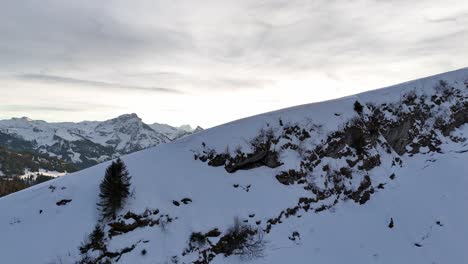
85	143
175	132
379	177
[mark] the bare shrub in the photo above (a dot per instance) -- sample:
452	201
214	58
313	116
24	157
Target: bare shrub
243	240
197	239
263	140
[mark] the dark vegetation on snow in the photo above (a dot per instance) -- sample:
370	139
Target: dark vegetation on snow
114	189
13	184
240	239
114	192
15	163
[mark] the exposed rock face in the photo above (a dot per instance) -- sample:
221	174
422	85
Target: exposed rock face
290	177
412	123
458	118
262	155
398	136
261	158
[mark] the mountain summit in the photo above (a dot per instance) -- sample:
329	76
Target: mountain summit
379	177
85	143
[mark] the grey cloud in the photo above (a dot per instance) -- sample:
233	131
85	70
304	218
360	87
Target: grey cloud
453	18
67	80
80	36
215	45
278	35
29	108
243	83
228	83
443	20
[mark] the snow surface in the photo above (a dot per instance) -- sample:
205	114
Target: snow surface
427	199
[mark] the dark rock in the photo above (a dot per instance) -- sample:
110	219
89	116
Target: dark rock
397	135
290	177
218	160
271	160
294	236
257	159
370	162
458	119
213	233
186	200
63	202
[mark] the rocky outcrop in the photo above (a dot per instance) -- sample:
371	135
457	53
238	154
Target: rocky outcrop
398	136
340	166
131	221
263	154
263	157
95	249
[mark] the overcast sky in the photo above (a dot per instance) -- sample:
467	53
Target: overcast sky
208	62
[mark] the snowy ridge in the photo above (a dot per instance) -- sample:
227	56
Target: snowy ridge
374	178
89	142
174	132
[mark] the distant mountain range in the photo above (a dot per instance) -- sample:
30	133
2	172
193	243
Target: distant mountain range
36	145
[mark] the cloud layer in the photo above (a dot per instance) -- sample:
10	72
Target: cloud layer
148	56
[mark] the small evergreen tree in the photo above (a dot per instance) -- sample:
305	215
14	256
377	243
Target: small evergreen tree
95	240
97	237
114	189
358	107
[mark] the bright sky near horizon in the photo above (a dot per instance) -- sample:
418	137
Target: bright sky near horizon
212	61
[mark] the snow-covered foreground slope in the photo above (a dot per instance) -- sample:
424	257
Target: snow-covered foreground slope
320	183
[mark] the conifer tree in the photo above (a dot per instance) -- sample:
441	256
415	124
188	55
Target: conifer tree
114	189
358	107
95	240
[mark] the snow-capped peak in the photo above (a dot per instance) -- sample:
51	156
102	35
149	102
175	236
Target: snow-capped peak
89	142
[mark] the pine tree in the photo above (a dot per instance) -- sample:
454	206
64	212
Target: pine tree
114	189
358	107
97	237
95	240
